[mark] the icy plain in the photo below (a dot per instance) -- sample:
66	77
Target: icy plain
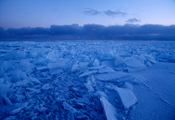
87	80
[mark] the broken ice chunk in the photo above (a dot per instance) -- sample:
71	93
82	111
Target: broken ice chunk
4	89
3	93
68	107
88	73
151	59
109	109
128	85
109	63
57	65
18	75
42	68
148	64
96	67
26	66
55	71
96	62
127	97
111	76
41	109
83	64
7	99
46	86
7	65
14	111
21	83
20	97
106	70
34	80
89	85
134	65
119	61
33	90
74	67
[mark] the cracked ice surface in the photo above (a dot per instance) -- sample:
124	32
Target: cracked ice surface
74	80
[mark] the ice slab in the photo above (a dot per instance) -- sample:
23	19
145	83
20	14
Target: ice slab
111	76
34	80
33	90
57	65
6	99
88	73
68	107
106	70
96	67
127	97
42	68
83	64
96	62
89	85
17	75
14	111
55	71
166	58
21	83
108	62
74	67
133	64
4	89
150	59
46	86
109	109
119	61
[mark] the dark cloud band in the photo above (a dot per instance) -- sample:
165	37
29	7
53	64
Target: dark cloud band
93	31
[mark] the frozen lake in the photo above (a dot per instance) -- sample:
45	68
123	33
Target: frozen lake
87	80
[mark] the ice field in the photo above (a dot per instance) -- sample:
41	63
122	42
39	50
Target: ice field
87	80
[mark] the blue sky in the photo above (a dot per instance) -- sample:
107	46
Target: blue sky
44	13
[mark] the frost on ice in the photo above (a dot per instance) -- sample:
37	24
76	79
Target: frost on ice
71	80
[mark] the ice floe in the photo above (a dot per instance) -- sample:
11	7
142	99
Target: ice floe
72	80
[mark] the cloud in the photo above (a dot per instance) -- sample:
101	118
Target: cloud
92	32
133	20
89	11
114	13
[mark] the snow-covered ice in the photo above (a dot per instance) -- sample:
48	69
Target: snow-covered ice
91	80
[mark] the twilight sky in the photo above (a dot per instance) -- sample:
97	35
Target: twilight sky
44	13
